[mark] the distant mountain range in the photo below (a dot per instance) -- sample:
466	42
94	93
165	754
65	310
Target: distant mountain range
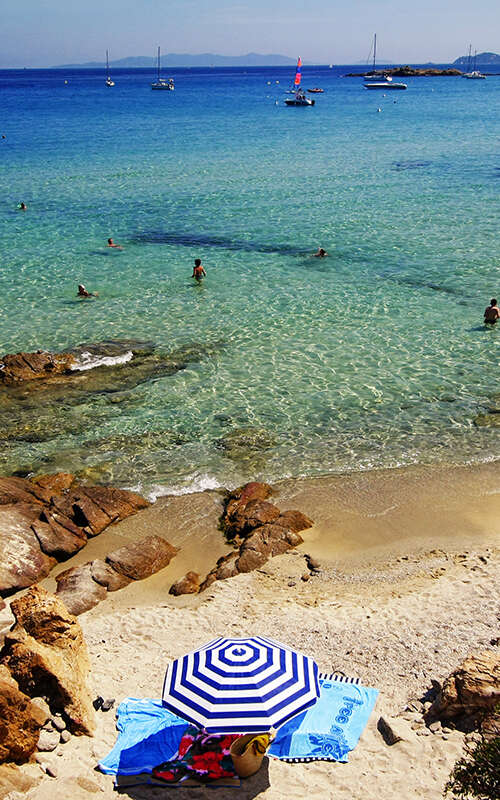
188	60
482	59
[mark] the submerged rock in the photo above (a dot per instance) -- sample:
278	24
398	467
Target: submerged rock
20	367
245	442
143	558
489	420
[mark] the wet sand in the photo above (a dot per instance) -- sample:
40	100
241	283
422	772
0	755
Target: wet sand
359	520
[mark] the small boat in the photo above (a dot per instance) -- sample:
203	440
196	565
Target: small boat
316	90
162	83
379	80
474	74
299	96
382	82
109	82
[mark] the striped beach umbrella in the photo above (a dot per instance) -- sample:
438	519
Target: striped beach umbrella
240	685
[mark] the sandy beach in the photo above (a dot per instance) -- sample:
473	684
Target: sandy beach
407	587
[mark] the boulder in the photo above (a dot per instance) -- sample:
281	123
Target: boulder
471	692
251	515
143	558
294	521
189	584
47	655
105	575
19	367
78	590
55	539
238	499
50	518
265	542
20	721
22	562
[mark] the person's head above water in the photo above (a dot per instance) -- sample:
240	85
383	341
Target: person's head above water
81	287
197	262
493	301
110	241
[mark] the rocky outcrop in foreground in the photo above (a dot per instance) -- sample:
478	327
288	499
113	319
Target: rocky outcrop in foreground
48	519
21	721
83	587
471	694
258	529
46	654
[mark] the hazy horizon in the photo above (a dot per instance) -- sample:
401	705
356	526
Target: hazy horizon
52	34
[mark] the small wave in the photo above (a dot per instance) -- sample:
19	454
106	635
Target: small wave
191	485
91	360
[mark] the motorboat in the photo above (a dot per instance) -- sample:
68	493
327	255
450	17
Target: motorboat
316	90
382	82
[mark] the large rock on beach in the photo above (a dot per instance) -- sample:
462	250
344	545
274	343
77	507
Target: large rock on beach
48	519
471	693
189	584
20	367
20	721
78	590
143	558
260	529
22	561
46	654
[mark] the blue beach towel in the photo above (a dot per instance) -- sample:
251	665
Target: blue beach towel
148	734
331	727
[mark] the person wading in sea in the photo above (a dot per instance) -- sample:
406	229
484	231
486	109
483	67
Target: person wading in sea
492	312
198	271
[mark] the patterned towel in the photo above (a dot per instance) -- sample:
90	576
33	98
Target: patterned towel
329	729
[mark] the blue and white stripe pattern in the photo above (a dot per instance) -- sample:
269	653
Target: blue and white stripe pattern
241	685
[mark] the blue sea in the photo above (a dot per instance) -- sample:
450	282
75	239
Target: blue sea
375	356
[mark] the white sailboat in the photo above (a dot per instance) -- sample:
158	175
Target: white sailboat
299	97
109	82
474	74
379	80
162	83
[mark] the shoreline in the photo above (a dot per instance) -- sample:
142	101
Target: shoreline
398	611
394	612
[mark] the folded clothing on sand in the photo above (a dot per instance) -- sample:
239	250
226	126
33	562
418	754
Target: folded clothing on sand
331	727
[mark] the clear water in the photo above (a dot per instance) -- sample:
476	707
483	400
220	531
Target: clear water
372	357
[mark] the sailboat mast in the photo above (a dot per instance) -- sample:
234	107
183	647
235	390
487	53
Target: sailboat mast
374	50
107	64
158	78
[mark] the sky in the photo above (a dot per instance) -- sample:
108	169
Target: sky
44	33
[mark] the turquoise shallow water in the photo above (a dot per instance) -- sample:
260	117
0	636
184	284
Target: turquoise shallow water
373	357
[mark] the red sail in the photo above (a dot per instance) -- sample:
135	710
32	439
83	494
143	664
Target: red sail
298	74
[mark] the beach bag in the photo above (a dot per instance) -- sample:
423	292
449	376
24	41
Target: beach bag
248	751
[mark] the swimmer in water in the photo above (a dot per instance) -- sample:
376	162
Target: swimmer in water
320	254
82	292
492	313
23	206
112	244
198	271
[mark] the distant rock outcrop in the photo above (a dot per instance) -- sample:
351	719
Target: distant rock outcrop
46	654
50	518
